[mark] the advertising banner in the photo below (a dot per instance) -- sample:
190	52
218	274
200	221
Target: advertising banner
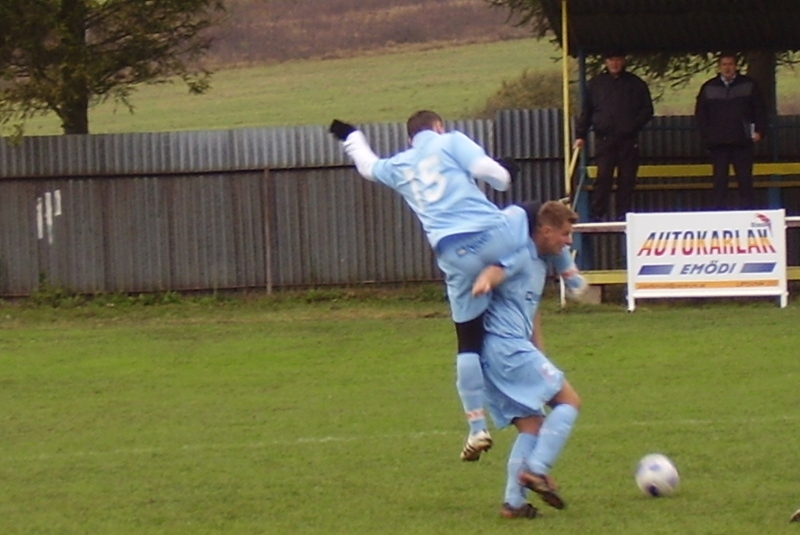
706	254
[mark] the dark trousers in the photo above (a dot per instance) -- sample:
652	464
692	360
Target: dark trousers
621	154
741	157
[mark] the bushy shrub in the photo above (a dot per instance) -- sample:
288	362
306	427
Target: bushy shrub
532	90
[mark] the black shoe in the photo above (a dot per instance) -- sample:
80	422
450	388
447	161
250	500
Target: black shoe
526	511
544	487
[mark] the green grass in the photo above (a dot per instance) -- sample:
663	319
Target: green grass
455	81
325	413
372	88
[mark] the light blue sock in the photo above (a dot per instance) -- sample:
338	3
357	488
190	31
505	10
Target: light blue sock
469	383
515	493
552	437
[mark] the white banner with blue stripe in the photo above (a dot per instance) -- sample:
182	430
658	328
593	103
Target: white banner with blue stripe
706	254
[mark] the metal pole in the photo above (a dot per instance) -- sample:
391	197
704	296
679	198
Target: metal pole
565	96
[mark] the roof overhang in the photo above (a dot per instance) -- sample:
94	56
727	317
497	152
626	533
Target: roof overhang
677	26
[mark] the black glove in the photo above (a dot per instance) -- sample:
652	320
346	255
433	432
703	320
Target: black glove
341	130
510	165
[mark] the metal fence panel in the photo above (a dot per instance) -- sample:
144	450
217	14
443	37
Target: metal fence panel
132	234
196	210
529	134
215	235
333	227
19	243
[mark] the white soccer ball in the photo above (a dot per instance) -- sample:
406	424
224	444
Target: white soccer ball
656	475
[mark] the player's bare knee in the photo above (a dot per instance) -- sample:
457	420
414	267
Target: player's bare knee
568	396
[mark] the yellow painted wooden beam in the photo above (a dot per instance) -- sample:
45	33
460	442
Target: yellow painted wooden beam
704	170
683	186
609	276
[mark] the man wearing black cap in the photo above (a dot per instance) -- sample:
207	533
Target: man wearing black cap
617	105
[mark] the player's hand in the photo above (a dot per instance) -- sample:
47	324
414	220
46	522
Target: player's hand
490	277
510	165
341	129
576	288
578	143
481	286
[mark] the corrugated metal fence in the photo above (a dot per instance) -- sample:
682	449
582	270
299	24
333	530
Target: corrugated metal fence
263	207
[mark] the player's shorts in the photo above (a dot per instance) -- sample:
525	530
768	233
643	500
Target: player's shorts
519	379
463	256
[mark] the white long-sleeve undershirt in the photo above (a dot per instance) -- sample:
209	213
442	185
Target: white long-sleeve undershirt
358	149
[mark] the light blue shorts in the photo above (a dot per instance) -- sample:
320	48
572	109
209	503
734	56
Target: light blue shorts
519	379
463	256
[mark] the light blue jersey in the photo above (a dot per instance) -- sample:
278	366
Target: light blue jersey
433	178
463	256
513	306
514	303
437	179
519	379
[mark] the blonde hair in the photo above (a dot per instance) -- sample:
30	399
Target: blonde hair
555	214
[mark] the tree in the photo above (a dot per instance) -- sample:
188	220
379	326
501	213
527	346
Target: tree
64	56
662	69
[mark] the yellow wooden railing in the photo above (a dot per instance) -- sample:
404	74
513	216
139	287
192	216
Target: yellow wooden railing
690	171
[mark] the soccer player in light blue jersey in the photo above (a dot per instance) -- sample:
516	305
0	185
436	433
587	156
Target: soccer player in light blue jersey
437	177
519	378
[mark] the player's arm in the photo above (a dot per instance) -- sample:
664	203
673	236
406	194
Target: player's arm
497	173
470	156
356	146
488	279
493	276
574	282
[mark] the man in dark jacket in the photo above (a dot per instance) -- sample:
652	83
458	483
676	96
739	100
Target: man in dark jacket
617	105
731	116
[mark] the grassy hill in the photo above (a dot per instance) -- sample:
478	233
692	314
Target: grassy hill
371	88
285	62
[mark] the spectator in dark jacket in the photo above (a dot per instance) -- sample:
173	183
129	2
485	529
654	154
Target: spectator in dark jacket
731	116
617	105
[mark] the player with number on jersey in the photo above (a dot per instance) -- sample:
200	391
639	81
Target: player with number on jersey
437	177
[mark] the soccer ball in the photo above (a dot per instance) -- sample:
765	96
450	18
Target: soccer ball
656	475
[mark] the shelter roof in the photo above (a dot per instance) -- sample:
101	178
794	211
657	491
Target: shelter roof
597	26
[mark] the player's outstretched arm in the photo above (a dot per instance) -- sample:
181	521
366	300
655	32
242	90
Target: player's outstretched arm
499	174
575	283
473	158
488	279
356	146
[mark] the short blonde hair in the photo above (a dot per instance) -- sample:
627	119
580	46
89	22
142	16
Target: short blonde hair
555	214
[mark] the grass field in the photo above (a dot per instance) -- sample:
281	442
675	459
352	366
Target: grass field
372	88
322	413
454	80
